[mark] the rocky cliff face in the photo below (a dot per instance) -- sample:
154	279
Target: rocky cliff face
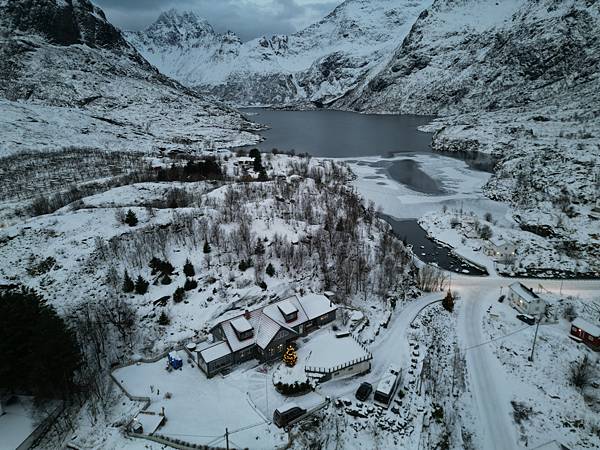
62	22
487	55
316	65
68	77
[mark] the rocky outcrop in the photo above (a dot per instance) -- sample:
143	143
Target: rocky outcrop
62	22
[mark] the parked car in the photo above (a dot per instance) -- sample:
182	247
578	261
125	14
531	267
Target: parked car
283	415
501	298
530	320
363	391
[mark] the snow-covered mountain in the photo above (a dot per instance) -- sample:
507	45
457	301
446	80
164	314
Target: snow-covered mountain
487	55
69	78
318	64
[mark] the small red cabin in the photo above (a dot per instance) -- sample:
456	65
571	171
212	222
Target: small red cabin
587	332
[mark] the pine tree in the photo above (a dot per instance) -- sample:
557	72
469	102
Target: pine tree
131	219
290	357
448	302
154	264
260	248
39	352
190	284
166	279
163	319
178	295
243	265
270	270
206	248
188	269
141	285
128	285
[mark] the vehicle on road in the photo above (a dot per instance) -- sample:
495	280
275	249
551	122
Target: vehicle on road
386	388
530	320
501	298
363	391
283	415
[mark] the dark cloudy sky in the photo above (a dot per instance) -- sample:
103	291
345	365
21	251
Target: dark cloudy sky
247	18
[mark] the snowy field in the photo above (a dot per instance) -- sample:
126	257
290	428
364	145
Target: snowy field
198	409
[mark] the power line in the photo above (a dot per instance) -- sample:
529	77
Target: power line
497	338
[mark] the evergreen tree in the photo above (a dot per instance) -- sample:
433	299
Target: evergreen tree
206	248
260	248
154	264
290	357
243	265
128	285
262	175
270	270
178	295
166	279
131	219
448	302
141	285
190	284
166	268
188	269
39	353
163	319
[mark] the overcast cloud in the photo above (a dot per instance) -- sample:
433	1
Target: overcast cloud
247	18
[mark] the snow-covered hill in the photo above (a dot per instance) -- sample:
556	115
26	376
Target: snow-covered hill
69	78
318	64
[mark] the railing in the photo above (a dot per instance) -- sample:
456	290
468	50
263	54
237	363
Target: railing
328	370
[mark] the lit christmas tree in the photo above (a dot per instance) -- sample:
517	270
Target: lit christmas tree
290	357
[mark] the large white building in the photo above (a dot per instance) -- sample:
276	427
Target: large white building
525	300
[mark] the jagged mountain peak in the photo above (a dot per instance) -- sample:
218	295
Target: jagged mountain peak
62	22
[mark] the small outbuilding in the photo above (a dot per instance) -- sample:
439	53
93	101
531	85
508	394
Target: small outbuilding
525	300
587	332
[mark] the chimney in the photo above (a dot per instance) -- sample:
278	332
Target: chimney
247	315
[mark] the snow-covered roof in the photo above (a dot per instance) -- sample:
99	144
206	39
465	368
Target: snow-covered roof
269	320
215	351
499	241
525	293
287	308
316	305
241	324
276	310
589	328
267	330
287	407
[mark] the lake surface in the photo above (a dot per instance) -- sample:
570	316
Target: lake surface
340	134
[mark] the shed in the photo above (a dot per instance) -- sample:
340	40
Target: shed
587	332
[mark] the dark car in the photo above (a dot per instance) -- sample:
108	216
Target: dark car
363	391
283	415
501	298
530	320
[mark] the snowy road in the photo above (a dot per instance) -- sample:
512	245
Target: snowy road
487	380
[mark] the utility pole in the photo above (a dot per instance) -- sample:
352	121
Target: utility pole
561	286
227	438
535	337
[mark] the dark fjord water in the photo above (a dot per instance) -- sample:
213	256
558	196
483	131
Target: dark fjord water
338	134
